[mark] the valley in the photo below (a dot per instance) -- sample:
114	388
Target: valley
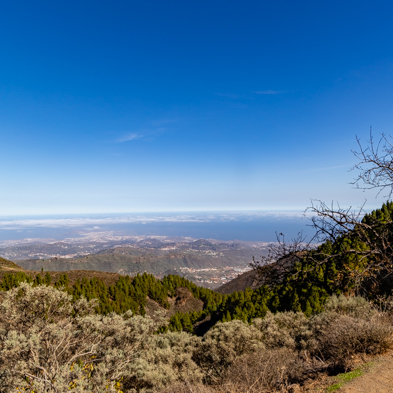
209	263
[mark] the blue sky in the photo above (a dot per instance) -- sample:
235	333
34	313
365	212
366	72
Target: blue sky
132	106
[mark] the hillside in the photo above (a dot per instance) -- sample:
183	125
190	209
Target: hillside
273	274
131	260
90	282
7	267
243	281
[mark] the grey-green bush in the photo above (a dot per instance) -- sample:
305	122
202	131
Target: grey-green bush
354	306
166	359
222	344
49	344
287	329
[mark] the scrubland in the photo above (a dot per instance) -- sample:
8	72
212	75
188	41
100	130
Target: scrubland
50	343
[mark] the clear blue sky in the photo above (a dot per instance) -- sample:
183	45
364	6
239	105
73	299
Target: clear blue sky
123	106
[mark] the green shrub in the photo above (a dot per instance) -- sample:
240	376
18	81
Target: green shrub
50	344
354	306
166	359
224	343
287	329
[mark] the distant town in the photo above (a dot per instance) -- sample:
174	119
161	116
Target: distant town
213	277
209	263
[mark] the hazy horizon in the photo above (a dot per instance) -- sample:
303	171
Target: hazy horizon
245	226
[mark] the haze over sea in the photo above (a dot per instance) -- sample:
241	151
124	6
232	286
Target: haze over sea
245	226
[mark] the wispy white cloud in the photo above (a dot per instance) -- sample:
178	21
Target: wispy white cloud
130	137
95	222
151	130
91	222
269	92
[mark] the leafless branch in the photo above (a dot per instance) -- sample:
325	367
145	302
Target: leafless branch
281	256
375	165
360	243
332	222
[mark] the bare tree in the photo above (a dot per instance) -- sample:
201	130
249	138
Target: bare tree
361	244
281	257
352	250
375	165
282	248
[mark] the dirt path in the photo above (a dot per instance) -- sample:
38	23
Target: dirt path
379	379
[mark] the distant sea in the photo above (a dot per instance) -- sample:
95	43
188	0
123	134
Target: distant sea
245	226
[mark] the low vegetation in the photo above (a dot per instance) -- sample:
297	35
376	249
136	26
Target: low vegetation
52	343
345	378
125	294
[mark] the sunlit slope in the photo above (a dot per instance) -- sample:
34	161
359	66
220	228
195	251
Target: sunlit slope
7	266
255	279
127	260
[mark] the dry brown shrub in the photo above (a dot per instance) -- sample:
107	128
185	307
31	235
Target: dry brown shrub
344	337
385	306
265	371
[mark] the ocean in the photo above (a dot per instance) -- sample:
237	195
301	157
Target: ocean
244	226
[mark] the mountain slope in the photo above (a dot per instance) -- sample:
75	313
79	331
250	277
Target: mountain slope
7	267
181	299
132	260
243	281
269	274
